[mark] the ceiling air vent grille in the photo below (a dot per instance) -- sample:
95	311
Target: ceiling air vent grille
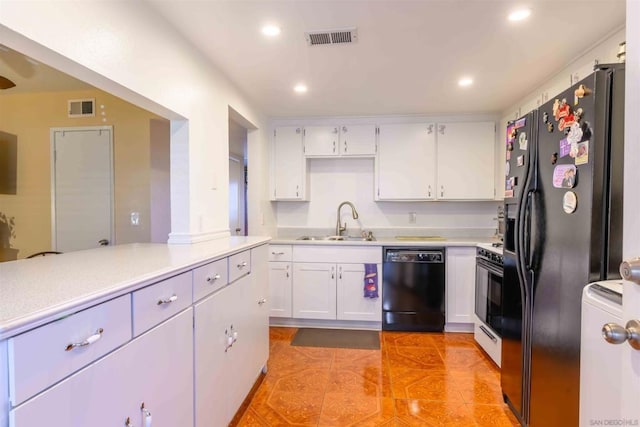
81	107
341	36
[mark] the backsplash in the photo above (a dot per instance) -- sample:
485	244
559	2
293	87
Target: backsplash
333	181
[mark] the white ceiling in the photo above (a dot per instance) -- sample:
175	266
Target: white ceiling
409	56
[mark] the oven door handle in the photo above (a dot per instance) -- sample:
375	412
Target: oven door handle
492	268
487	333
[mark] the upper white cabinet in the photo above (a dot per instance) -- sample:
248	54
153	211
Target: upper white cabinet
406	161
466	161
289	168
344	140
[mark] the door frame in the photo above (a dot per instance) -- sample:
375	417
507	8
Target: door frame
52	132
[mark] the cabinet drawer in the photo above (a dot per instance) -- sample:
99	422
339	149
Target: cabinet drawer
280	253
239	265
43	356
160	301
209	278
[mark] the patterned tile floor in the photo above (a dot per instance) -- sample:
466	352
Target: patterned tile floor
415	379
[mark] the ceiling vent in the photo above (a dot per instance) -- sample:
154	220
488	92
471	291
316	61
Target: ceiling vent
81	107
341	36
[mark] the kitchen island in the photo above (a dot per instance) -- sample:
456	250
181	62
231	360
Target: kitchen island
111	335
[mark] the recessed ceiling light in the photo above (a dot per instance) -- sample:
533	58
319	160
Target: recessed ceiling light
465	81
519	15
271	30
300	88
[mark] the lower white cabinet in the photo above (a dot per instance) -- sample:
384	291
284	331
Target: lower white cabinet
280	280
351	303
314	293
112	390
460	288
231	344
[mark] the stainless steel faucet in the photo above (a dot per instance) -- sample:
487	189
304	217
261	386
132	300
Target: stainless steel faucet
354	213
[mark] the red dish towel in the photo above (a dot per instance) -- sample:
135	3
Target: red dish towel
370	281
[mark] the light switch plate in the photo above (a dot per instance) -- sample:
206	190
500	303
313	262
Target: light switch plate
135	218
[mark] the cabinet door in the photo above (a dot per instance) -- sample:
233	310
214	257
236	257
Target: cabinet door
352	305
280	281
259	322
164	372
321	141
358	140
466	161
212	320
405	163
289	167
314	293
460	288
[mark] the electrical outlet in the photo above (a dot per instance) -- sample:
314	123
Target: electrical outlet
412	217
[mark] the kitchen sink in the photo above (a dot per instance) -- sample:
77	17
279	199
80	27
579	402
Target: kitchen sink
338	238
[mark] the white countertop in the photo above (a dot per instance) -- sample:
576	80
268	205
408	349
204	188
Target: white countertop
389	241
38	290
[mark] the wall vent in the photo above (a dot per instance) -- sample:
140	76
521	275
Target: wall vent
341	36
82	107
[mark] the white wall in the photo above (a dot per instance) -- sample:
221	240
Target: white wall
134	54
604	52
159	181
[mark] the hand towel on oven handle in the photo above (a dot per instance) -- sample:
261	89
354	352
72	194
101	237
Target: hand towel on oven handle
370	281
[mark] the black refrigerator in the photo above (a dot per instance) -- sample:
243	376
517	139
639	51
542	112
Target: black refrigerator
563	215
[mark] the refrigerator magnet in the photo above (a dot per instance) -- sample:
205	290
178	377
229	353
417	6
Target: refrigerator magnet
520	160
565	147
569	202
582	154
564	176
511	136
522	141
507	168
508	193
521	122
508	155
550	127
575	134
510	146
508	185
582	91
554	158
545	117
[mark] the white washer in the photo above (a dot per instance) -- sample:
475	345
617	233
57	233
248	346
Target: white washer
600	362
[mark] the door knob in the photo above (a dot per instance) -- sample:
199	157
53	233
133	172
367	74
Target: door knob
616	334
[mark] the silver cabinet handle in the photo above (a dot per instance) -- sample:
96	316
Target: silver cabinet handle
429	129
173	298
212	279
277	253
344	129
489	334
441	129
630	270
616	334
333	273
334	145
128	422
345	145
262	301
287	271
429	192
242	265
146	414
442	191
340	272
297	190
88	341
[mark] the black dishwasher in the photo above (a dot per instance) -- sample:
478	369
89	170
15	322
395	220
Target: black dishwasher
413	289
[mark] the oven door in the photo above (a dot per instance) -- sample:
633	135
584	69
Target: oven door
489	294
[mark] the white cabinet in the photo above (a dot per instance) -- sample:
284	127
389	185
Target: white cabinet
289	169
358	140
406	161
460	289
344	140
280	280
231	343
351	303
314	293
113	389
465	159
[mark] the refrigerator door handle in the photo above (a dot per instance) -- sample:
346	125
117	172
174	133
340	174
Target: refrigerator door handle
526	231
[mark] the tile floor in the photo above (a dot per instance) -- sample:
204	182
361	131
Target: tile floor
415	379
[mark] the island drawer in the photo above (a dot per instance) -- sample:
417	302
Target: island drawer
160	301
43	356
280	252
209	278
239	265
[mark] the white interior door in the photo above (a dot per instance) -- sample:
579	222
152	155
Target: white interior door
630	381
82	188
236	197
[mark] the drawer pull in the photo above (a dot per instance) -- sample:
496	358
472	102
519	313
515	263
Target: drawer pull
169	300
277	253
212	279
146	415
242	265
90	340
128	422
262	301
